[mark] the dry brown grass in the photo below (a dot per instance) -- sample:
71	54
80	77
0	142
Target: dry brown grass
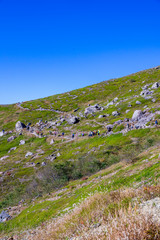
110	216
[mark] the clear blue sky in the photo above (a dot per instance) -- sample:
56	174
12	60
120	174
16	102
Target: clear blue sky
49	47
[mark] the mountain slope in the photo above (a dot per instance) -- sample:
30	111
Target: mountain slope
72	136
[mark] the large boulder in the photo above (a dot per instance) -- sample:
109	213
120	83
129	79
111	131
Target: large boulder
4	216
73	120
155	85
92	109
136	115
20	126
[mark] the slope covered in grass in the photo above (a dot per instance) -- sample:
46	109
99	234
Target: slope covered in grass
51	180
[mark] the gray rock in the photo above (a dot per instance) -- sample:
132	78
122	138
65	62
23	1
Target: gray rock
3	158
145	87
129	105
73	120
118	122
19	126
22	142
115	113
153	100
109	127
92	109
101	116
145	93
44	164
115	99
136	115
52	141
138	102
127	110
12	149
58	154
4	216
10	139
29	154
2	133
155	85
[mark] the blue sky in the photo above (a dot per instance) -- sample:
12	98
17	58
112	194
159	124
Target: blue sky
49	47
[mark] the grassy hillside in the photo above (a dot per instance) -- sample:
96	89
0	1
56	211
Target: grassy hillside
61	171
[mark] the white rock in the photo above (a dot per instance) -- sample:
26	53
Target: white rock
52	141
58	154
2	133
138	102
12	149
3	158
19	126
136	115
29	154
155	85
115	113
22	142
127	110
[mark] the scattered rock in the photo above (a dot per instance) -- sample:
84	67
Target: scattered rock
10	139
20	126
73	120
102	116
109	127
22	142
145	87
44	164
92	109
153	100
4	216
58	154
127	110
12	149
52	141
3	158
138	102
115	113
155	85
2	133
145	93
29	154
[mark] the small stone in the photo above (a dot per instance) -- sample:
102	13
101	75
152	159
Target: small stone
22	142
29	154
138	102
10	139
115	113
12	149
